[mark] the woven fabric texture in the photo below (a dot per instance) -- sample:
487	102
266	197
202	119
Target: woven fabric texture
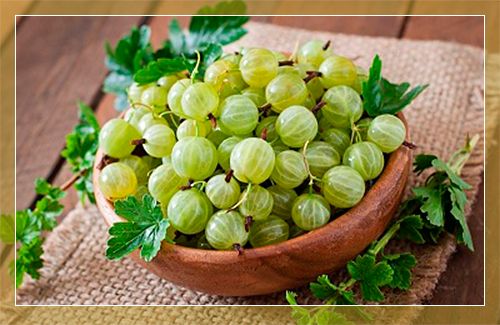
76	271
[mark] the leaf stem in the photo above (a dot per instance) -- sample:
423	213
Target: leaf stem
66	185
243	198
459	158
382	242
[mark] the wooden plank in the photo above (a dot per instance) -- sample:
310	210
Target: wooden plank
489	8
369	25
461	29
59	60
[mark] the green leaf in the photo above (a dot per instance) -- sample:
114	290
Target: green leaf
300	314
324	289
458	201
145	228
161	67
80	150
401	265
131	53
209	54
206	28
7	229
422	162
328	315
410	228
27	226
371	276
432	203
29	260
454	178
383	97
42	187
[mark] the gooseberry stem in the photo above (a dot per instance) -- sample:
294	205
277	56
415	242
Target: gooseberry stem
229	175
311	75
285	62
243	198
149	108
195	70
137	142
327	45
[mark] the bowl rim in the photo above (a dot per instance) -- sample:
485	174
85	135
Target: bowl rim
383	180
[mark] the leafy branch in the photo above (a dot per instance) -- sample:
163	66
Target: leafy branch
435	208
380	96
134	60
80	150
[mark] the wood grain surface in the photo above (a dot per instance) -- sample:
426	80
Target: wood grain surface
56	70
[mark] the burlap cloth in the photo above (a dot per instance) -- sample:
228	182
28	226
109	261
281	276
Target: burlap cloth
76	271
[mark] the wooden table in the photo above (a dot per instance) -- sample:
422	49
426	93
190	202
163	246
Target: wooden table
67	64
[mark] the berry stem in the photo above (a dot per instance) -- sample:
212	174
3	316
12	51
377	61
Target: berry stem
229	175
243	198
237	247
248	223
213	120
311	75
327	45
137	142
66	185
409	145
318	106
285	62
263	134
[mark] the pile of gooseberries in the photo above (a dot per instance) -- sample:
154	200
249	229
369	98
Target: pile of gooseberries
265	148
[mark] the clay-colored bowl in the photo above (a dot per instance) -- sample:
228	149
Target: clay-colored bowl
289	264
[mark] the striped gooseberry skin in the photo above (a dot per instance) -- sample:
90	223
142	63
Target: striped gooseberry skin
192	128
199	100
256	95
257	203
115	138
363	126
238	115
165	182
222	194
313	53
339	139
343	106
387	132
320	157
310	211
175	96
366	158
252	160
258	67
160	140
337	70
140	167
225	77
296	125
194	158
282	201
134	115
189	211
217	136
117	181
343	187
268	123
273	230
286	90
224	151
225	229
290	169
315	88
148	120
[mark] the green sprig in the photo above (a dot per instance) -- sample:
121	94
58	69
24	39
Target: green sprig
435	208
81	146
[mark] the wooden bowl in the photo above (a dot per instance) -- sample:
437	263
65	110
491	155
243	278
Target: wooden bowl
289	264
